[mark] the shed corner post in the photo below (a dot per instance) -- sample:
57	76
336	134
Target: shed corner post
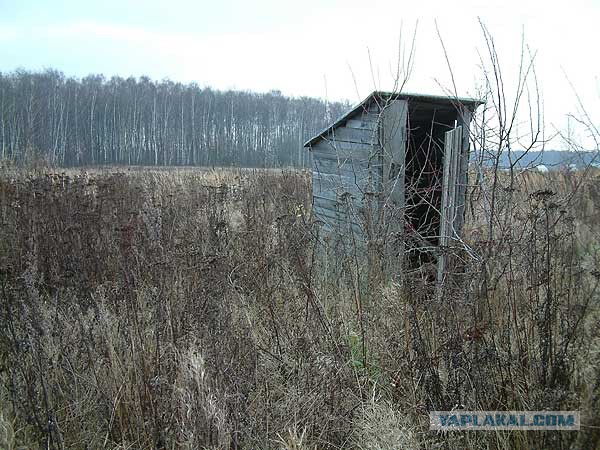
393	138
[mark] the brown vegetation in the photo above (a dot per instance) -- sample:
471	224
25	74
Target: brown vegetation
194	309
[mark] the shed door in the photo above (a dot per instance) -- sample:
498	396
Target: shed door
452	191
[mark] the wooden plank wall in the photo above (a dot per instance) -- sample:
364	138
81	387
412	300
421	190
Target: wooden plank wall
352	168
347	172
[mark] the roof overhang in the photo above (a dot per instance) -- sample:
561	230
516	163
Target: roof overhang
448	101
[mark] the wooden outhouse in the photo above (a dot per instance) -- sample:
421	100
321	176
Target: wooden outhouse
394	168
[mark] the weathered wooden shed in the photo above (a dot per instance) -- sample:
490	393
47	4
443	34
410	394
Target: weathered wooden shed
395	168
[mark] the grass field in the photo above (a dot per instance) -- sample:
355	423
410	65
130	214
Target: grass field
188	308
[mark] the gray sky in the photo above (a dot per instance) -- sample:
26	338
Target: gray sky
324	48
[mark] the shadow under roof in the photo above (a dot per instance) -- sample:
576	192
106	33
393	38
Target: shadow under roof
426	99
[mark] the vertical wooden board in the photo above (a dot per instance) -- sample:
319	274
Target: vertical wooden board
445	178
393	140
454	178
453	181
448	211
464	122
393	143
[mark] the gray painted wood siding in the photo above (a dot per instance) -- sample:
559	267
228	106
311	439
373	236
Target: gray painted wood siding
347	171
464	121
359	172
453	151
393	142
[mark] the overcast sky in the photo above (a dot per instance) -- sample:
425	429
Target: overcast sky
323	48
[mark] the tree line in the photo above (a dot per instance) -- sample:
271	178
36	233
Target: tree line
94	121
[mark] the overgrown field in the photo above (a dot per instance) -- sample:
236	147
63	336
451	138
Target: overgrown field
173	309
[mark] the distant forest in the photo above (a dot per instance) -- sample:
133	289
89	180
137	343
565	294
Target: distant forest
97	121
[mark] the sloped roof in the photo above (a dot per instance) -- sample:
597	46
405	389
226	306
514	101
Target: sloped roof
441	100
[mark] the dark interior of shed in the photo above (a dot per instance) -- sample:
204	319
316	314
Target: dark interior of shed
424	160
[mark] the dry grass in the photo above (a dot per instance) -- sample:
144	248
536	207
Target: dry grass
187	309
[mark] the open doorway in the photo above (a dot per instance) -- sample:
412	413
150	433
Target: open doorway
424	159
